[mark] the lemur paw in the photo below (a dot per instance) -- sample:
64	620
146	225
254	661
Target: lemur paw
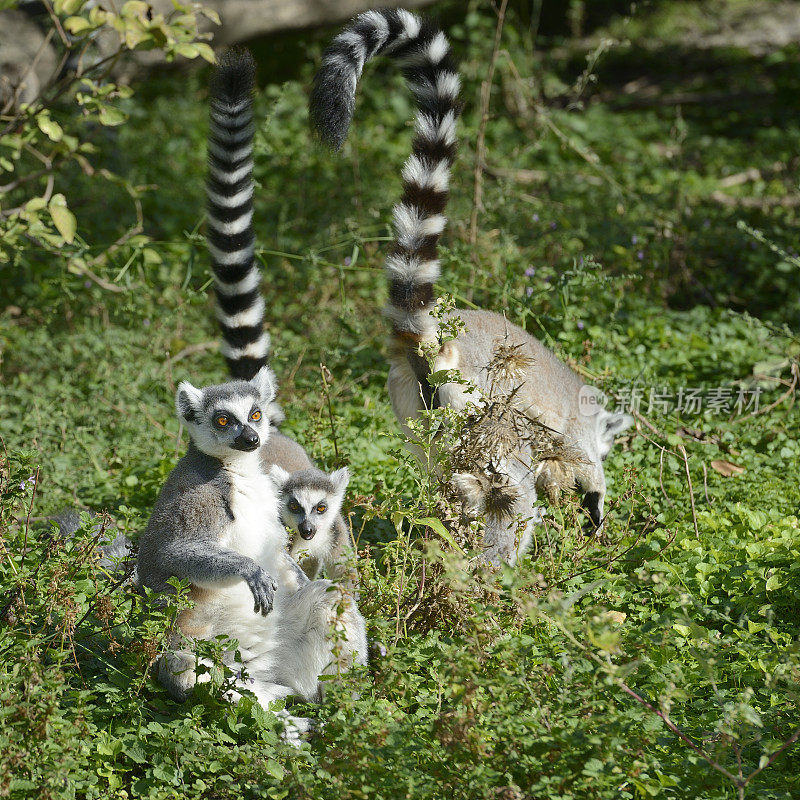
263	586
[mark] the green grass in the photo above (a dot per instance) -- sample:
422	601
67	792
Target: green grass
513	687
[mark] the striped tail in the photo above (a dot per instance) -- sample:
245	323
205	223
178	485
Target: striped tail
229	186
423	53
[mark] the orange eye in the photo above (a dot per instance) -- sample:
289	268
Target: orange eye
222	421
321	508
255	416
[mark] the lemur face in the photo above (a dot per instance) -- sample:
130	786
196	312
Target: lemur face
310	499
228	420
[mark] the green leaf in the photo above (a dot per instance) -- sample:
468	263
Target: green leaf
67	6
134	8
436	525
773	583
63	218
111	116
205	52
275	769
77	25
49	127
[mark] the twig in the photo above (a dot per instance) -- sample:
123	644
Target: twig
480	147
524	176
766	203
192	349
677	731
650	707
682	451
629	102
12	102
326	376
647	423
738	178
661	473
57	23
795	369
31	176
28	519
80	269
788	743
93	276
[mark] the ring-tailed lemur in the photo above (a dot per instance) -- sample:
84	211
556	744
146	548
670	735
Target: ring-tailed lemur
231	241
310	507
216	524
548	390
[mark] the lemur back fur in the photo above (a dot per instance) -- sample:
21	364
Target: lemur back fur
231	242
548	388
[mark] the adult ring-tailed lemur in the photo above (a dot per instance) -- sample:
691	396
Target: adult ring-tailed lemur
311	501
216	524
547	389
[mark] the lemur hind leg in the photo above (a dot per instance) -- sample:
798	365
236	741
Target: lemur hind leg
321	632
507	537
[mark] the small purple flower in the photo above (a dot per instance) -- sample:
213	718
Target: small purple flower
32	479
634	239
23	485
535	217
348	261
640	256
146	323
548	279
530	272
580	325
87	284
580	261
529	291
553	226
706	223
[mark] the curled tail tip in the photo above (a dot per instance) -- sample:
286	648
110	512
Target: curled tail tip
234	74
330	108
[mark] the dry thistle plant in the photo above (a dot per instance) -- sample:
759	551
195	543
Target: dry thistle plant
496	432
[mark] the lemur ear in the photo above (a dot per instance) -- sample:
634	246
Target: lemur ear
188	401
612	424
340	479
265	383
279	476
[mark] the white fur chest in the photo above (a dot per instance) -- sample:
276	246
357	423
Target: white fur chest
255	530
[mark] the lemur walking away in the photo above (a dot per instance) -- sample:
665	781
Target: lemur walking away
544	388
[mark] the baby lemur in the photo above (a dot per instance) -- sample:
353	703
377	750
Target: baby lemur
216	525
310	507
544	388
240	304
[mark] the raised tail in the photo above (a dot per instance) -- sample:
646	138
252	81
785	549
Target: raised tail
423	53
229	187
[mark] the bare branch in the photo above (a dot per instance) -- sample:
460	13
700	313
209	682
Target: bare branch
480	148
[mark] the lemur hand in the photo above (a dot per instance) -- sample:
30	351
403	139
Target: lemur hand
263	586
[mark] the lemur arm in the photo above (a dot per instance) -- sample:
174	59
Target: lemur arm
209	566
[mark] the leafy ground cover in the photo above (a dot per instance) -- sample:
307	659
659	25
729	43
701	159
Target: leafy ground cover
639	213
